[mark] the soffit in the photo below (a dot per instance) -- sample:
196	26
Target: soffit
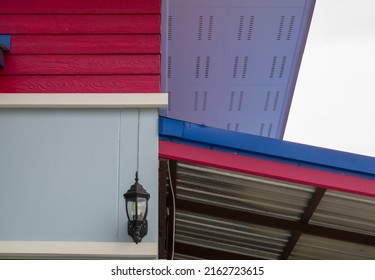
233	64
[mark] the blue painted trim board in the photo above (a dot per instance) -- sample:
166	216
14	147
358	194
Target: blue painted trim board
5	42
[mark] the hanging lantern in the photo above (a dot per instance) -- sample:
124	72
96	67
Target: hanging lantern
136	203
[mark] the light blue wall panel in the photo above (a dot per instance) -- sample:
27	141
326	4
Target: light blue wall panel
149	167
63	172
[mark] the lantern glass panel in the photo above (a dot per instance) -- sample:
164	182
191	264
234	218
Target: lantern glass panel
137	209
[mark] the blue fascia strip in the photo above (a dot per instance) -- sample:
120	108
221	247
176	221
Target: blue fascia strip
266	148
5	42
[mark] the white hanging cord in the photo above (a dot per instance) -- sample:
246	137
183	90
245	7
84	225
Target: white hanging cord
174	211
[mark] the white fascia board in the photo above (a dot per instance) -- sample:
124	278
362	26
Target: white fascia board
84	100
62	249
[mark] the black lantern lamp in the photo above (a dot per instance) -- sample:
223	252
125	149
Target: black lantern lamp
136	203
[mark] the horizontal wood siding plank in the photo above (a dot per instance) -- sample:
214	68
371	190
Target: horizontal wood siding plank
79	6
79	24
81	64
85	44
80	46
80	84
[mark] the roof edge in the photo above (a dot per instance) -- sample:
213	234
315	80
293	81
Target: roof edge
267	168
266	148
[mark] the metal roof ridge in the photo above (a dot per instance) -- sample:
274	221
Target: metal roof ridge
266	148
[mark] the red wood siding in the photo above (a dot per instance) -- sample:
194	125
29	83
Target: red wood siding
80	6
79	84
85	44
81	46
82	24
81	64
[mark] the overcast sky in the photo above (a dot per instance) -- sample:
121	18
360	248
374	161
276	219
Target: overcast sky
334	100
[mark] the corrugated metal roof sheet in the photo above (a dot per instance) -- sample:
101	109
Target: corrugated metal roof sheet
312	247
272	198
241	191
346	211
224	235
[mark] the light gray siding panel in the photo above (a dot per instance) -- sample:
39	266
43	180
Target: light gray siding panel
149	166
63	173
128	149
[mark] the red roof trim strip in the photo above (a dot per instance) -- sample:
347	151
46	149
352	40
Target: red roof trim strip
267	168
